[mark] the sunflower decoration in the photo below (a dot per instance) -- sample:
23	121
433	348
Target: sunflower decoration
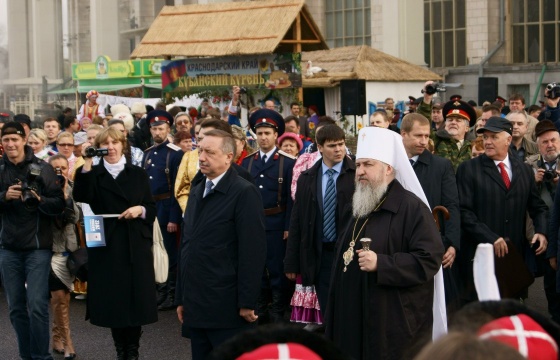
263	65
311	125
360	126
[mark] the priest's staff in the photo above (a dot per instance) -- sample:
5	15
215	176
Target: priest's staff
435	212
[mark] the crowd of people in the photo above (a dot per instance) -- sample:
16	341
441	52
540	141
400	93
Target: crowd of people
301	229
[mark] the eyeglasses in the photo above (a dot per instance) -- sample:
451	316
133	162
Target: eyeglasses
181	122
64	145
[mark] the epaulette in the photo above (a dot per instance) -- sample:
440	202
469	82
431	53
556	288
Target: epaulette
286	154
173	147
150	148
251	154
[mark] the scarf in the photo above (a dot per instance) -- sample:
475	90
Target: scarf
116	168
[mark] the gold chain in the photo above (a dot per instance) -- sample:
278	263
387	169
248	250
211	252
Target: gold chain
348	255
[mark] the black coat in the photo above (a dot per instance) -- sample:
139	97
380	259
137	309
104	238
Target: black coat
222	255
437	179
121	278
490	211
381	314
303	252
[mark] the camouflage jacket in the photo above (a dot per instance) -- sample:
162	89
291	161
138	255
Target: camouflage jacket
446	147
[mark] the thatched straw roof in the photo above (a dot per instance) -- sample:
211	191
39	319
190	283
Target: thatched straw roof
232	28
361	62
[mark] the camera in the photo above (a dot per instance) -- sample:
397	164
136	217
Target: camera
30	184
59	175
553	90
242	90
93	152
433	88
550	175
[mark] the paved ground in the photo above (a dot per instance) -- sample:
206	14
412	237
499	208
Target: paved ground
161	340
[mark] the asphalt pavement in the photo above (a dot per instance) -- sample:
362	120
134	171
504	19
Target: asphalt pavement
159	341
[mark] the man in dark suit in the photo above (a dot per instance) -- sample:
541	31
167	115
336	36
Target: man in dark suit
271	170
310	250
496	190
223	250
437	179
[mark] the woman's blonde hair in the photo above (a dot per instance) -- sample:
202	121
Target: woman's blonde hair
64	134
39	134
112	133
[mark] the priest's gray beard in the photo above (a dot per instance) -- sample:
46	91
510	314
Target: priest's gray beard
367	197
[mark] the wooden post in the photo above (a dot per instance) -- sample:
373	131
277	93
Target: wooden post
297	49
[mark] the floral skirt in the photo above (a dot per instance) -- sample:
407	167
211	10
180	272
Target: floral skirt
305	305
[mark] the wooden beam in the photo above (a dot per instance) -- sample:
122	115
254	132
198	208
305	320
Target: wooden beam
310	26
299	42
297	48
208	40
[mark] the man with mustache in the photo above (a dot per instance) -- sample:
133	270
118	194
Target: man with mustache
380	302
161	162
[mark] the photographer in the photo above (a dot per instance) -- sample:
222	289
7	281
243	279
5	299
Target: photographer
30	197
545	166
61	281
552	111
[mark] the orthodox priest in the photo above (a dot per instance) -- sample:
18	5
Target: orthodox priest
381	301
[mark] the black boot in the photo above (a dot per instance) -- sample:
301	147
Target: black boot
263	307
277	307
119	337
133	342
169	303
161	293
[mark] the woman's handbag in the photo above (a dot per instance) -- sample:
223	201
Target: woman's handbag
161	261
77	262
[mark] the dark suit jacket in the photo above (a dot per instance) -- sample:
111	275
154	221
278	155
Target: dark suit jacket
437	179
303	252
490	211
223	252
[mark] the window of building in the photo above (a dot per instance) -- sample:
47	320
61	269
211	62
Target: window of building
445	34
348	22
535	31
522	89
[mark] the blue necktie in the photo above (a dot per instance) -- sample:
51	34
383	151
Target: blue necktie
209	186
329	208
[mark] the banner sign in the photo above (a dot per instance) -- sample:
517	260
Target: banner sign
105	69
272	71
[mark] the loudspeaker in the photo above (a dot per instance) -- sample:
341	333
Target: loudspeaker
353	97
487	89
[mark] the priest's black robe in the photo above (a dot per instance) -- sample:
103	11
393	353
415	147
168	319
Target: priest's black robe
385	313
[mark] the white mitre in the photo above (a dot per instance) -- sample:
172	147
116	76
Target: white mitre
387	146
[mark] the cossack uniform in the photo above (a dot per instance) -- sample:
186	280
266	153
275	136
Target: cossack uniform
161	162
273	178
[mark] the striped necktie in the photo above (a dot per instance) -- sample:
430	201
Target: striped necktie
329	208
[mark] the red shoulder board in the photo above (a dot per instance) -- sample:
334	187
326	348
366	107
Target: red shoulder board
256	156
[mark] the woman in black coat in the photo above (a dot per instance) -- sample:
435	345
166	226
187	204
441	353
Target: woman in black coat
121	278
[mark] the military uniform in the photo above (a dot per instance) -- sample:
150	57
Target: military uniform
447	147
161	162
273	178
